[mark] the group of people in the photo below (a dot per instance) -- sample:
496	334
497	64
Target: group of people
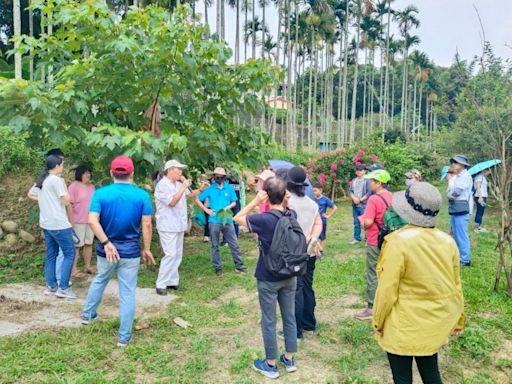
414	291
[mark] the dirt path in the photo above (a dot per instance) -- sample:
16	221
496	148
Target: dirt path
24	307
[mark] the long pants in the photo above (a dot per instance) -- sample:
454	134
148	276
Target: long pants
228	232
305	301
401	367
357	211
270	293
372	256
172	245
480	210
58	265
55	239
460	233
127	270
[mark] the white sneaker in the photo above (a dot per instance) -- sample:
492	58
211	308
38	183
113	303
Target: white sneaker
354	242
66	294
206	239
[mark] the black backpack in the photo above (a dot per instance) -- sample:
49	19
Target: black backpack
287	256
383	231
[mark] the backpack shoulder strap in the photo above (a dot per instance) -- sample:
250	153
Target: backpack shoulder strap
276	213
383	199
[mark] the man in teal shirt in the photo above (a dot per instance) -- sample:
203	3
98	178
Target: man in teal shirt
222	198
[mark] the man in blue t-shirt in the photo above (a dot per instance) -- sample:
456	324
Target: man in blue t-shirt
272	289
221	198
116	215
323	203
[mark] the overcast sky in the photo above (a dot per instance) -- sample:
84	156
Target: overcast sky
446	26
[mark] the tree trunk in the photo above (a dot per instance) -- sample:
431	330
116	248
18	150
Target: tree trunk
363	120
222	20
338	114
237	33
419	110
310	91
354	86
16	11
218	18
263	29
386	124
414	110
245	25
344	105
31	33
206	12
372	84
403	110
253	29
315	93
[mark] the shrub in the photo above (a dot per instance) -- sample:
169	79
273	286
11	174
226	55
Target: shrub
14	152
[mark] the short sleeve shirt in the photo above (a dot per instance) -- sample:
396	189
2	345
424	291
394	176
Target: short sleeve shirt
121	207
375	210
263	225
170	219
218	198
52	213
306	210
323	203
81	195
483	185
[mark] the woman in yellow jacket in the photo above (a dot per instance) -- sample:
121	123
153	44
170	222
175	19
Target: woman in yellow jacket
419	301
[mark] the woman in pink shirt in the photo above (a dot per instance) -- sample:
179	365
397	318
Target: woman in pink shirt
260	180
80	192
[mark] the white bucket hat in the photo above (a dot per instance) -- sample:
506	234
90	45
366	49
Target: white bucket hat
419	205
219	171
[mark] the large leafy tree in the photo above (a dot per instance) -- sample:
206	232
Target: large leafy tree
96	102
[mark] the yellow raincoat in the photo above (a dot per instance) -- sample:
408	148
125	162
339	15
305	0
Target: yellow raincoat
419	298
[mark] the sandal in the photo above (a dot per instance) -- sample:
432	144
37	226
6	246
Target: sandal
79	275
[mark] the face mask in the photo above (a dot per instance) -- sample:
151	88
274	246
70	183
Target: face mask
409	182
219	180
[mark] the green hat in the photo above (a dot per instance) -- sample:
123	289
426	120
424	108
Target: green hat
379	175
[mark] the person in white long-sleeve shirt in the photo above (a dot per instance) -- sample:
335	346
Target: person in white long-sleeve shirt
460	184
171	194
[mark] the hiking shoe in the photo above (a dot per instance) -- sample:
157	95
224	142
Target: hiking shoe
123	343
241	270
468	264
288	364
366	314
265	369
354	242
66	294
218	272
85	320
206	239
161	291
49	291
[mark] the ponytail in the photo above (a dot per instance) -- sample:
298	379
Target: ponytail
51	162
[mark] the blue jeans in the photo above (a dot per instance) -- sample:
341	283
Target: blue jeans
127	270
357	211
58	265
228	233
55	239
460	233
480	209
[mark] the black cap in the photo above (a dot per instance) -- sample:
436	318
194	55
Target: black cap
55	152
374	167
297	176
360	167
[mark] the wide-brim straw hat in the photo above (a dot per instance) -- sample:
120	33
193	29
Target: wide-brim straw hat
418	205
219	171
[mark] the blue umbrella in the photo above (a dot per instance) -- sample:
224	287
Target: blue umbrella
282	164
444	171
477	168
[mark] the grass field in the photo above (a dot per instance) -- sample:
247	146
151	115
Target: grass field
225	336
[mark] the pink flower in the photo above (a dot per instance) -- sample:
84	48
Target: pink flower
373	157
322	178
334	167
356	159
341	162
309	175
360	152
333	174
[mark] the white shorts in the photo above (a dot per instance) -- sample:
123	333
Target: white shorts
84	233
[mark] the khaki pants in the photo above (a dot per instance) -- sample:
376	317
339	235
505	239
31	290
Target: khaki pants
372	255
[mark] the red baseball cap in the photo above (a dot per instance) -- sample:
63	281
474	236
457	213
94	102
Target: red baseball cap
122	165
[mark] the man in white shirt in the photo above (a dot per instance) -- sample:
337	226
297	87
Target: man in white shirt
460	205
171	222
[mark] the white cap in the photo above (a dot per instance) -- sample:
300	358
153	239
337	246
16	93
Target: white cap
219	171
266	174
174	164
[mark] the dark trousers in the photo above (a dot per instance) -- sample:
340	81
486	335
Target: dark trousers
305	301
480	209
401	367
